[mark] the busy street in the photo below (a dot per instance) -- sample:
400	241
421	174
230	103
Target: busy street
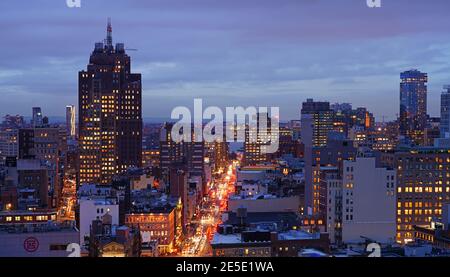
210	214
68	200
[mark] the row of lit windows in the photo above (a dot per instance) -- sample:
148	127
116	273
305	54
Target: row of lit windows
421	189
419	212
30	218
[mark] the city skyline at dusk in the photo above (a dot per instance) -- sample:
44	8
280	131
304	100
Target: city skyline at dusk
207	136
229	53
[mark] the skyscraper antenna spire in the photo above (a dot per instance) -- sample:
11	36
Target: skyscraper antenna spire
109	34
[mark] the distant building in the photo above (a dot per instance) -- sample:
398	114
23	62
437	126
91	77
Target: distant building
296	127
431	135
37	119
191	154
70	121
316	122
150	158
220	158
413	105
12	122
287	144
257	140
341	107
9	144
445	113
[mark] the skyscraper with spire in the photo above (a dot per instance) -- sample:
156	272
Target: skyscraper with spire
110	113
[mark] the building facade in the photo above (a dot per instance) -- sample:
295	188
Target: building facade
413	105
317	122
110	119
423	186
368	202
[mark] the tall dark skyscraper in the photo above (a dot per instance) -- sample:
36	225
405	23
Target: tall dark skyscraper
110	114
413	105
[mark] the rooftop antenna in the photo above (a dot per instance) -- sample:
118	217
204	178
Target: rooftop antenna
109	34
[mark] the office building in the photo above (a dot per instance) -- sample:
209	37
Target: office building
413	105
258	138
316	122
423	186
110	121
37	119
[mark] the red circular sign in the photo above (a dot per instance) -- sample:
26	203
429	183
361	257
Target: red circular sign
31	244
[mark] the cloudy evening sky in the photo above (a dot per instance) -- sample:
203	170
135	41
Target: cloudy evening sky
228	52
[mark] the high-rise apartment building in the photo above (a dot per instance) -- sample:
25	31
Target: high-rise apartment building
413	105
110	116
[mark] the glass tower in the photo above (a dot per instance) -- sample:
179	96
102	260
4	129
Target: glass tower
413	105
